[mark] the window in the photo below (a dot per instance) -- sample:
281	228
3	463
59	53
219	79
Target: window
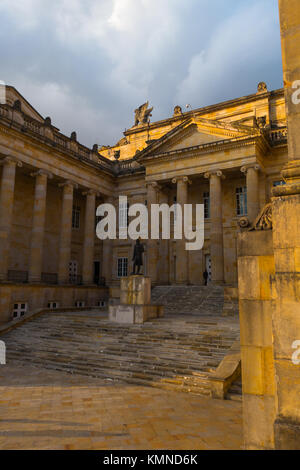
53	305
123	215
19	310
73	268
122	267
101	304
206	202
76	217
279	183
79	303
241	201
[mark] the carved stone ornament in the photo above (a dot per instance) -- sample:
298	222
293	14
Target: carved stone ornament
264	220
261	122
244	222
177	111
117	154
143	114
262	87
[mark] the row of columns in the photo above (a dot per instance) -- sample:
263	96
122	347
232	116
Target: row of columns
216	218
154	195
38	225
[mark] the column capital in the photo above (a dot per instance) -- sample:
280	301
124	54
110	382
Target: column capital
253	166
154	185
91	192
68	183
211	173
10	160
185	179
42	173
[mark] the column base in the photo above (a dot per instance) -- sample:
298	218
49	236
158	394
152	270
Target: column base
287	434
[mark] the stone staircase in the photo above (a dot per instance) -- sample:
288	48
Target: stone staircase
192	300
176	352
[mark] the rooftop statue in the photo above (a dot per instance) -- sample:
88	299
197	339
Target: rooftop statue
143	114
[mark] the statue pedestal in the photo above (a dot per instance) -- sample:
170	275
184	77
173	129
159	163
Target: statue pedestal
135	302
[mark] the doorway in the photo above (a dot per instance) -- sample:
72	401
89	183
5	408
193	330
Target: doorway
96	272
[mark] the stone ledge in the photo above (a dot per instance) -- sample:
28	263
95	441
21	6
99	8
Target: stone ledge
228	372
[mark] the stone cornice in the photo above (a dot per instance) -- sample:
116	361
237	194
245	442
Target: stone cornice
195	151
207	109
44	134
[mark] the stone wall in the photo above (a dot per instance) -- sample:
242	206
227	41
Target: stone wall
256	304
38	296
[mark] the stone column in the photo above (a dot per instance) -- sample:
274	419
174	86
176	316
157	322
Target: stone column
251	173
89	237
286	239
108	267
216	230
163	257
6	211
38	226
182	276
152	248
65	232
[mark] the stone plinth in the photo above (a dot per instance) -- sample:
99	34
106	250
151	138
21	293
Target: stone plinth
135	302
135	290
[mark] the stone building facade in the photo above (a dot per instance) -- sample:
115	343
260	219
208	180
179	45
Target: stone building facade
226	156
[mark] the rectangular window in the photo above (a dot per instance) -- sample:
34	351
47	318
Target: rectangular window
123	215
206	202
19	310
76	217
53	305
73	269
241	201
122	267
80	303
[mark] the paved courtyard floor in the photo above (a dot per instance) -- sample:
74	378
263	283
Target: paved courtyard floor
44	409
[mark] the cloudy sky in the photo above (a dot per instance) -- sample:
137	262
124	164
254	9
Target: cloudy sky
89	63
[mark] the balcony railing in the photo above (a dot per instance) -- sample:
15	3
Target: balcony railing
278	136
75	280
49	278
17	276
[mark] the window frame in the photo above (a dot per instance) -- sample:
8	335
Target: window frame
206	203
20	308
122	266
76	210
241	201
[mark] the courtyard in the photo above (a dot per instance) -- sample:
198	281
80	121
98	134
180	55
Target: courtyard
75	381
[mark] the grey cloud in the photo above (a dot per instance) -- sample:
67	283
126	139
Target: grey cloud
88	64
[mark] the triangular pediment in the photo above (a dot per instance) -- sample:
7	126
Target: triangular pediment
196	132
12	95
203	131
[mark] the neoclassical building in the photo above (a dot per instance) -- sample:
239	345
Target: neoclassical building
227	156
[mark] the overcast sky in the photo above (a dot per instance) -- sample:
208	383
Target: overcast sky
89	63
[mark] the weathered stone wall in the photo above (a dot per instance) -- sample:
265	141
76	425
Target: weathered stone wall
38	296
256	304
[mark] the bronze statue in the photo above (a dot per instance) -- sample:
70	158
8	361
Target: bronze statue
137	257
142	114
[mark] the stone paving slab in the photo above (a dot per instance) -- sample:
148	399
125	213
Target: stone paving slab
44	409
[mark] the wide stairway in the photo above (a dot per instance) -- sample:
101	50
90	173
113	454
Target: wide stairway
192	300
176	352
